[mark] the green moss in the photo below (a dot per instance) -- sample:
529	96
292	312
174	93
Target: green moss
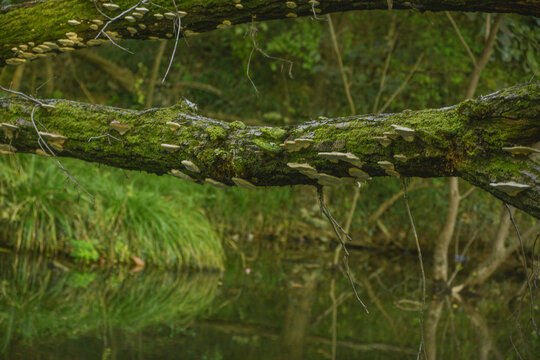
207	156
238	165
216	132
237	125
274	133
267	146
501	166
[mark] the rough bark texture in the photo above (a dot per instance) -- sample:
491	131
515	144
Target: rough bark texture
465	140
38	22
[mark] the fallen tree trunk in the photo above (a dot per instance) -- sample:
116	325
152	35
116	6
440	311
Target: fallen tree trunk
486	141
43	28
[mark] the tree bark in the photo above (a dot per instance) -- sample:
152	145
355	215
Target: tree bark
34	23
465	140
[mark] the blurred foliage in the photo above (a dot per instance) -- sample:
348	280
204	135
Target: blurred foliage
210	70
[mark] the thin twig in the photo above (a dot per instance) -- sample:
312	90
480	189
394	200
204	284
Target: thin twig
27	97
456	28
525	267
392	42
253	36
79	82
247	71
467	193
403	84
101	12
154	74
420	259
315	16
339	231
108	136
340	63
44	83
515	348
463	254
177	32
111	20
42	142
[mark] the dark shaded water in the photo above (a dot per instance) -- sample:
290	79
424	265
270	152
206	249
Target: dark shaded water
277	306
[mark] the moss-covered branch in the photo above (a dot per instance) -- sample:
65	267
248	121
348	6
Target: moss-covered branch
42	28
483	141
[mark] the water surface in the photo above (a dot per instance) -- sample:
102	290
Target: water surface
286	305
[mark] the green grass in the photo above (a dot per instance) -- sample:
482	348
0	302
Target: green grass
135	215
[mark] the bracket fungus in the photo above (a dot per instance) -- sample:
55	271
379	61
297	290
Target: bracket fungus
359	174
142	10
383	140
243	183
330	180
301	167
406	133
66	49
520	150
216	183
336	156
173	126
111	7
327	180
9	129
297	144
170	147
42	153
511	188
121	128
392	172
190	166
53	137
400	157
391	134
169	15
15	61
386	165
66	42
7	149
181	175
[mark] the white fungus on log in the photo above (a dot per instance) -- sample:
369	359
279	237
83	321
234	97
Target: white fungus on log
511	188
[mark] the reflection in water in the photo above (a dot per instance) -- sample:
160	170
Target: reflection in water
43	305
282	308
